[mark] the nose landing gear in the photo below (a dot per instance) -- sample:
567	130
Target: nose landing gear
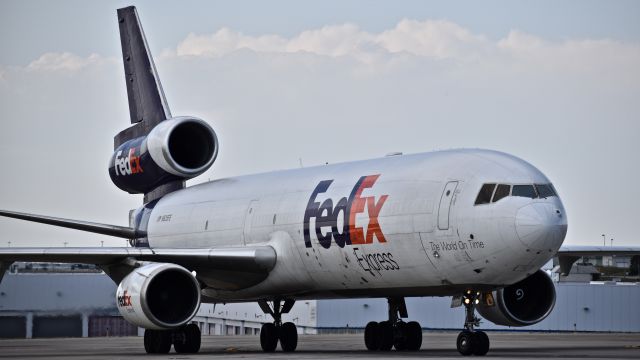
394	332
472	341
272	332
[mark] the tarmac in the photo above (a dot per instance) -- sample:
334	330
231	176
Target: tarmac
504	345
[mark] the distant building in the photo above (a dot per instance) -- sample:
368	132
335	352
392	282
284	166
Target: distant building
619	261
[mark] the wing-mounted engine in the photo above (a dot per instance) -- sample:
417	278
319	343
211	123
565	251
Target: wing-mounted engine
158	296
522	304
176	149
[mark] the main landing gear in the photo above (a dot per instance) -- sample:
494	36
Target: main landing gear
394	332
272	332
472	341
185	340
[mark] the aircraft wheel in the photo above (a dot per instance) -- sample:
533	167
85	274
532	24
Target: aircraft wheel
400	336
157	341
385	336
268	337
465	343
288	337
413	335
371	336
188	339
480	343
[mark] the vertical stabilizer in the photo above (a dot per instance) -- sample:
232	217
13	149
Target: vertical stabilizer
147	104
146	98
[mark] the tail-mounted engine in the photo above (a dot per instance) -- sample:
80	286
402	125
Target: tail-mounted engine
158	296
176	149
524	303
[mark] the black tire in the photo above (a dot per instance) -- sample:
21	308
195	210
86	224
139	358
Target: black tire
288	337
400	336
413	333
480	343
157	341
268	337
180	341
148	341
385	336
188	340
465	343
371	336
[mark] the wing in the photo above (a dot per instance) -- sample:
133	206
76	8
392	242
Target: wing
569	254
226	268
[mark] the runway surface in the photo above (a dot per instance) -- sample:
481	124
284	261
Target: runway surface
435	345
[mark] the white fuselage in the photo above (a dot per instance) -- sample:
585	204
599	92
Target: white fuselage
412	226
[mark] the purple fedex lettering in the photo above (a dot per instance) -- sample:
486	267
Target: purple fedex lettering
326	216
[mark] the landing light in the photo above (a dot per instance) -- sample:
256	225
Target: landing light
467	301
193	273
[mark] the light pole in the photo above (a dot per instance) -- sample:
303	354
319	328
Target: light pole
604	240
611	242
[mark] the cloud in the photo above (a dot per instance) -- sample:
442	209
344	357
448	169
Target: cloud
64	61
429	39
433	38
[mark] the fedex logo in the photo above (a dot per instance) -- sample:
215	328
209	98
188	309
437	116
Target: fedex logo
124	300
327	214
127	165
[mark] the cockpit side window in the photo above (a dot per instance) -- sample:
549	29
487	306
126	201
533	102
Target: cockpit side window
545	190
502	191
484	196
524	191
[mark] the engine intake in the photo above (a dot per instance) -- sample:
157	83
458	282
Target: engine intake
184	146
176	149
524	303
158	296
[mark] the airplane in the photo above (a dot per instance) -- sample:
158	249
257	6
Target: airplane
475	225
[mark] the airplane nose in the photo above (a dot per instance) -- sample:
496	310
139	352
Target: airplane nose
541	226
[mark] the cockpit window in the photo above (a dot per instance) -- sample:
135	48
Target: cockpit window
524	191
484	197
502	191
545	190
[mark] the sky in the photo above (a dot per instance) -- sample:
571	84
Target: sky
282	82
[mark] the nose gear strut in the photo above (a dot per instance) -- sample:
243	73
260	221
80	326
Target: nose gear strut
471	341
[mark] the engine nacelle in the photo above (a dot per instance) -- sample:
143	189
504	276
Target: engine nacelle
524	303
158	296
178	148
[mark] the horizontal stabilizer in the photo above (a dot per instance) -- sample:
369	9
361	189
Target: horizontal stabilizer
97	228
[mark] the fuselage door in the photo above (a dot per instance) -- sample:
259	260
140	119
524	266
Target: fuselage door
445	205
